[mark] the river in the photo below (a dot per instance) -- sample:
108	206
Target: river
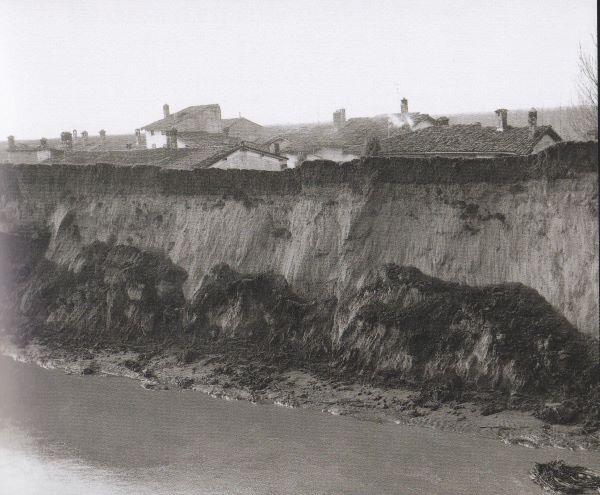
67	434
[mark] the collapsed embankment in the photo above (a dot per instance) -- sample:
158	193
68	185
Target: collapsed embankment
531	220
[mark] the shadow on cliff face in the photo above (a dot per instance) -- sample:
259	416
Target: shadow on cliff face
400	326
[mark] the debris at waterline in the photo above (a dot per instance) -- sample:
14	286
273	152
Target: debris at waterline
560	478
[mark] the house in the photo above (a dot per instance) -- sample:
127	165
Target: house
246	156
473	140
24	153
242	129
277	144
201	118
413	121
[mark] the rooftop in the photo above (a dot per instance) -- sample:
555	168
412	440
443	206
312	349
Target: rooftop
467	139
243	146
184	120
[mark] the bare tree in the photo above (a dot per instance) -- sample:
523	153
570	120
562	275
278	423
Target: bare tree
585	120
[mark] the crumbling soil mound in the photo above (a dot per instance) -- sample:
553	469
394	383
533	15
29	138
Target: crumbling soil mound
403	323
259	308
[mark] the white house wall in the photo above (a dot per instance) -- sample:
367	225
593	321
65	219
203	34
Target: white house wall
155	139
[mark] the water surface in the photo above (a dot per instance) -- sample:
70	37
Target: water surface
67	434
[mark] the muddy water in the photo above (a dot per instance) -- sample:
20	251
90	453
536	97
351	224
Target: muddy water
66	434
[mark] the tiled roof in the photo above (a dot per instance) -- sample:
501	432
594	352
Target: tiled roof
466	139
184	120
226	123
112	142
182	158
202	140
242	146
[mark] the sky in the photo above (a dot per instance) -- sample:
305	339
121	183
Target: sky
112	64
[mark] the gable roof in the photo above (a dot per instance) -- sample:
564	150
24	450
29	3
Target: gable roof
184	120
181	158
227	123
202	140
466	139
243	146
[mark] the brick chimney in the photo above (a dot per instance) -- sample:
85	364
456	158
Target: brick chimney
11	143
84	136
138	137
532	121
166	112
102	133
339	118
502	117
404	105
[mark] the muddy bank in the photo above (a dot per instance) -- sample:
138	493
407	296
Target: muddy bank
232	378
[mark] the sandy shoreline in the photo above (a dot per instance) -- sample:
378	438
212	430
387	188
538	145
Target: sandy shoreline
216	376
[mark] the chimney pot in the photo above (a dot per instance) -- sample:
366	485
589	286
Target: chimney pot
166	112
404	106
502	115
11	143
532	118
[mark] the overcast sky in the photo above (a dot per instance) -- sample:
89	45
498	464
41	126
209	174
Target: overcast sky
112	64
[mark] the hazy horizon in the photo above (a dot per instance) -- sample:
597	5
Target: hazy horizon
92	65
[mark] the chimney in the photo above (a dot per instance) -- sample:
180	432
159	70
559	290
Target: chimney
172	139
67	140
74	133
138	137
43	143
532	121
404	106
502	115
102	133
339	118
166	112
11	143
84	136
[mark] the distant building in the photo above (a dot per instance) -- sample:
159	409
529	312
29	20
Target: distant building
414	121
201	119
473	140
242	129
246	157
24	153
278	144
